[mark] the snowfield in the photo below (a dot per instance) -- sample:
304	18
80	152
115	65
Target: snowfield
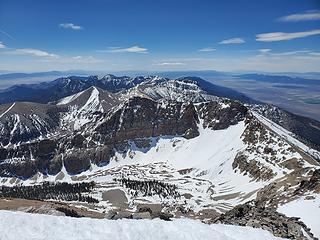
19	226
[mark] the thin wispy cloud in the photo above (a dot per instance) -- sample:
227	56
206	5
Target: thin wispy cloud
291	53
264	50
34	53
300	53
77	57
84	59
170	64
65	59
7	34
70	26
232	41
282	36
299	17
2	45
206	49
315	54
133	49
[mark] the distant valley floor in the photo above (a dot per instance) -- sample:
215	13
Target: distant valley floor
300	99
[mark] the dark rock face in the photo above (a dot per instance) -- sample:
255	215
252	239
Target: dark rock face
55	165
257	216
22	169
254	126
312	184
27	159
143	118
80	159
77	162
255	169
218	115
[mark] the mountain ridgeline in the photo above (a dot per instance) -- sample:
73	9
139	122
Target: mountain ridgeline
52	91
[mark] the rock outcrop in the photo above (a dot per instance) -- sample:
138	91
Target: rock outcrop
221	114
257	216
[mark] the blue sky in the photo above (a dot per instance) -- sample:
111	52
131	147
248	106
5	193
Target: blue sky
112	35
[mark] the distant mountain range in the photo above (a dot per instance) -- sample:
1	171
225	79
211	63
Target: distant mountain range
51	91
6	75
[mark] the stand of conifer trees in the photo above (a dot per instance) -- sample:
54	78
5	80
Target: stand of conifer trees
149	188
47	190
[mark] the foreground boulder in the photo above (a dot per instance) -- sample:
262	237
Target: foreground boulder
141	215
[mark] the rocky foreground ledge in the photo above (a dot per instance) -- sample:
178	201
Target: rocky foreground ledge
253	214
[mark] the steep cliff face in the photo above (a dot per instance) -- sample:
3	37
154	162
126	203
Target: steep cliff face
221	114
143	118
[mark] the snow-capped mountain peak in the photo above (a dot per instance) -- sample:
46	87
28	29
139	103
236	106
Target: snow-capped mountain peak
162	88
82	106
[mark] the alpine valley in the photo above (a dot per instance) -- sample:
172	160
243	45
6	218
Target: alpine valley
152	147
